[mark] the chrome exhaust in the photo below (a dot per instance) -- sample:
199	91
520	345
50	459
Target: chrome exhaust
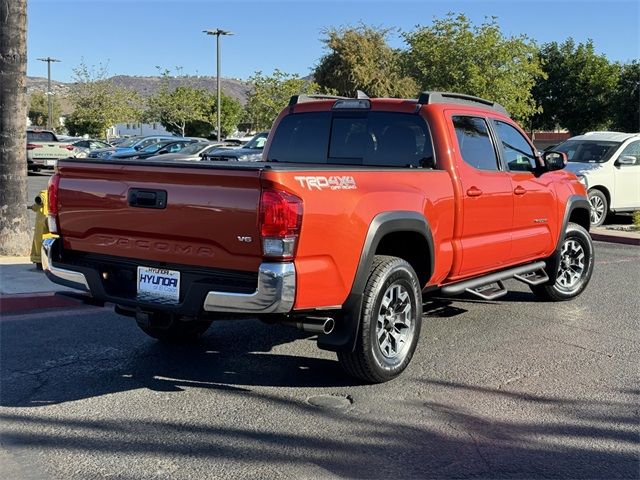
319	325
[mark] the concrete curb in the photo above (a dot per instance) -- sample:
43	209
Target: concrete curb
9	260
24	302
617	237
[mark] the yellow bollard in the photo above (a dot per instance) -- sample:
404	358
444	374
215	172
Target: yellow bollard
41	230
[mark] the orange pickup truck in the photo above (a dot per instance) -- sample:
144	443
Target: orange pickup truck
359	209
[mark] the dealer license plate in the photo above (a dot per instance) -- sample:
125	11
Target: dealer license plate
158	284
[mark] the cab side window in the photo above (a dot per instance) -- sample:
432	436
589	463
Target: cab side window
474	142
516	151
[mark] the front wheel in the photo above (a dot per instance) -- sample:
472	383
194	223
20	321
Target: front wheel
389	324
575	269
599	207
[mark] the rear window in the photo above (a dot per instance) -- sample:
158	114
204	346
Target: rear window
382	139
40	137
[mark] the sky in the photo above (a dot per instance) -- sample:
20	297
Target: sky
132	37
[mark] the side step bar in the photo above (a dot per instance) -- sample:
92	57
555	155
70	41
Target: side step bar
490	287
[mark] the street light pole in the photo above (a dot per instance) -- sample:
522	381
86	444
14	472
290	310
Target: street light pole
217	34
49	92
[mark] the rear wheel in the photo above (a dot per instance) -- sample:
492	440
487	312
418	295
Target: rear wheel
575	269
599	207
172	329
389	324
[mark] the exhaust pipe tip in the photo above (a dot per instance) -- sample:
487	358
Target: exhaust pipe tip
328	326
319	325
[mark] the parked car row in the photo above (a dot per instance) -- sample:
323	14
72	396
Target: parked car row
44	148
249	152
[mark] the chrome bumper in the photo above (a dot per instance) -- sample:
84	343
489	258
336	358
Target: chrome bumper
62	276
276	293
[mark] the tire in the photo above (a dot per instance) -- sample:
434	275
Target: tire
387	338
575	269
599	207
170	329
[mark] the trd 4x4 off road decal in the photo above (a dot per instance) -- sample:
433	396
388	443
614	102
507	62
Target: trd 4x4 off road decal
332	183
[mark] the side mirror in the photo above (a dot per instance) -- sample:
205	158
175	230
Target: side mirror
626	160
137	147
554	160
163	151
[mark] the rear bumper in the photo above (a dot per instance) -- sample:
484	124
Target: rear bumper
275	291
44	162
62	276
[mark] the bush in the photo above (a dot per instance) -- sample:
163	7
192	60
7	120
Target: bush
636	219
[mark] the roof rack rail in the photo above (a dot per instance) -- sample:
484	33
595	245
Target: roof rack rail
427	98
295	99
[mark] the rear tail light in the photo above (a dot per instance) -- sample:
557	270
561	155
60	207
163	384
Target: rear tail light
32	146
68	147
280	222
52	203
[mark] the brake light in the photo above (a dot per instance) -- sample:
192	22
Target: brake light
68	147
52	202
280	222
32	146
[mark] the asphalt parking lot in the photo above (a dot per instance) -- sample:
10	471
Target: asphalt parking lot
508	389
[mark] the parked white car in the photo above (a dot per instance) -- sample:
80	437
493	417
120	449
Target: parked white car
608	164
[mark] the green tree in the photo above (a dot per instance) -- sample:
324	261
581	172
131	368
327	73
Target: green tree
359	58
231	112
98	103
271	93
176	108
577	91
455	55
625	104
38	109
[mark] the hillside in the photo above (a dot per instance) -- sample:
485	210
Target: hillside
146	86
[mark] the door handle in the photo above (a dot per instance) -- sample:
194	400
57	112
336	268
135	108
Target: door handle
519	190
474	192
147	198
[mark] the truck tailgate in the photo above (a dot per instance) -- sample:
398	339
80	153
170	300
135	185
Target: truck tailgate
209	217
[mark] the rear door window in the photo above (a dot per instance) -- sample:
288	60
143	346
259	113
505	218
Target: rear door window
475	143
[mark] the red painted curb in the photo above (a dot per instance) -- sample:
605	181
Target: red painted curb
603	237
35	301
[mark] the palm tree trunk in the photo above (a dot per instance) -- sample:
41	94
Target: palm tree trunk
15	237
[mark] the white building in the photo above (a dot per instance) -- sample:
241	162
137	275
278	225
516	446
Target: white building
134	129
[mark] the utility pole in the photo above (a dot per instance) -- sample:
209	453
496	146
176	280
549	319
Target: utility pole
217	34
49	92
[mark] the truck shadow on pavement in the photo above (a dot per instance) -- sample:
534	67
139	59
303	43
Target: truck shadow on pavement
61	359
424	438
55	360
